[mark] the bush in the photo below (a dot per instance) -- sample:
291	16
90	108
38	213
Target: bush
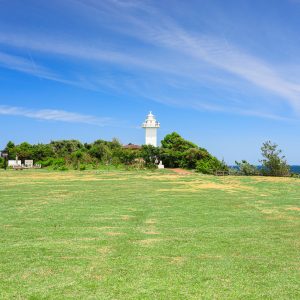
1	162
82	168
244	168
63	168
58	163
273	163
210	165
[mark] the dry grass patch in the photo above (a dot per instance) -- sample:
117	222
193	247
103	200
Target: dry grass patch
195	186
148	242
104	250
111	233
151	232
274	179
295	208
179	260
126	217
150	221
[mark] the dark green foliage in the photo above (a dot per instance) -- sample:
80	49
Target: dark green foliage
244	168
192	156
210	165
175	152
10	149
65	147
273	163
126	156
2	162
41	151
82	168
150	155
178	152
101	150
177	143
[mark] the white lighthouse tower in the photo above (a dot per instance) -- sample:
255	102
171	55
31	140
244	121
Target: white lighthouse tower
151	126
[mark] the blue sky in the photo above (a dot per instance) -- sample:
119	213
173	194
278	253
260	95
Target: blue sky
224	74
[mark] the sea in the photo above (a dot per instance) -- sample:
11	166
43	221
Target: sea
294	169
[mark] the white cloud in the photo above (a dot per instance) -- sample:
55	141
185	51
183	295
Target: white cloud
174	50
53	115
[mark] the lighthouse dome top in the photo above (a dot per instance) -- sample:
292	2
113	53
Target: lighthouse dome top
150	121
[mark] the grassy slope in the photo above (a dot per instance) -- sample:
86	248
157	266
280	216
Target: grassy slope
143	235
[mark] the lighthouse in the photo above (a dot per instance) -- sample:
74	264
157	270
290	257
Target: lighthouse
151	126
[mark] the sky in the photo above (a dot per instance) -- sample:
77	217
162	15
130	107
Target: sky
223	74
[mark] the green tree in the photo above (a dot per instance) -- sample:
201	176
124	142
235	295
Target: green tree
23	151
173	149
76	158
101	151
41	152
210	165
247	169
178	152
150	154
273	162
11	150
191	156
65	147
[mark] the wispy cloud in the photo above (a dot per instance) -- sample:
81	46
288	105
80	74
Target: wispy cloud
23	65
29	66
171	52
54	115
218	52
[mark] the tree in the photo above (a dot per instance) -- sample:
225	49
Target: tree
273	163
210	165
173	150
65	147
149	154
10	149
246	169
191	156
177	143
23	151
101	150
76	157
41	152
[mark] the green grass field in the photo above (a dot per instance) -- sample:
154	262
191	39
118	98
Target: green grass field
148	235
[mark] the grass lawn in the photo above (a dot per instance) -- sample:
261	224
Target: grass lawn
148	235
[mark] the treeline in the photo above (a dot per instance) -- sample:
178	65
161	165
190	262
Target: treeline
175	152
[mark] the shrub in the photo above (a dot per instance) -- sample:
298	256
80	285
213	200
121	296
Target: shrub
210	165
63	168
82	167
244	168
273	163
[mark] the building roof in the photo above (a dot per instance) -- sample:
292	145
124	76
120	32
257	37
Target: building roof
132	146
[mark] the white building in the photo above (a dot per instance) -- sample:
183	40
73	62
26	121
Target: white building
151	126
14	163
